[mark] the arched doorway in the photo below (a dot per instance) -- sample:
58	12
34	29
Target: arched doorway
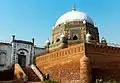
58	40
22	60
22	53
75	37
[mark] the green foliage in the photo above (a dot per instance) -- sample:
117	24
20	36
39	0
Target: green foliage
49	81
109	81
98	80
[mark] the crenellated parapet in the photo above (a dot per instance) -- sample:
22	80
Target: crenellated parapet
101	49
104	57
62	53
85	48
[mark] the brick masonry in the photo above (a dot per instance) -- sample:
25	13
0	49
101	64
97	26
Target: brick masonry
65	65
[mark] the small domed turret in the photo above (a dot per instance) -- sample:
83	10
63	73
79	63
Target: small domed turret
103	41
84	22
63	38
47	42
53	27
95	25
47	45
88	37
62	35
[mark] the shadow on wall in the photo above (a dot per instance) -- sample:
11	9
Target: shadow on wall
13	81
7	74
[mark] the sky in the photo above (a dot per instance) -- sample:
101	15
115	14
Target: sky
27	19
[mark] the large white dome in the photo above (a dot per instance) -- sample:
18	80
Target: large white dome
74	16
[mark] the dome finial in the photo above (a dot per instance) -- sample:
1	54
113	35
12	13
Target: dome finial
73	7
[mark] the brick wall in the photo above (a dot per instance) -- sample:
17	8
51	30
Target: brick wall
62	65
105	57
105	61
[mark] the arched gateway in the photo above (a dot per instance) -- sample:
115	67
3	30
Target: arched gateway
22	53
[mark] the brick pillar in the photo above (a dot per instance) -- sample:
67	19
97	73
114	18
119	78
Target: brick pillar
85	70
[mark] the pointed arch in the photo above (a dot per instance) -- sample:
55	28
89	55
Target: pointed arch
75	37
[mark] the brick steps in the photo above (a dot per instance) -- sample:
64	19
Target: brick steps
31	75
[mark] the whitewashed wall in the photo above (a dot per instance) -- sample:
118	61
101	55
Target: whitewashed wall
5	58
17	47
9	53
39	51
